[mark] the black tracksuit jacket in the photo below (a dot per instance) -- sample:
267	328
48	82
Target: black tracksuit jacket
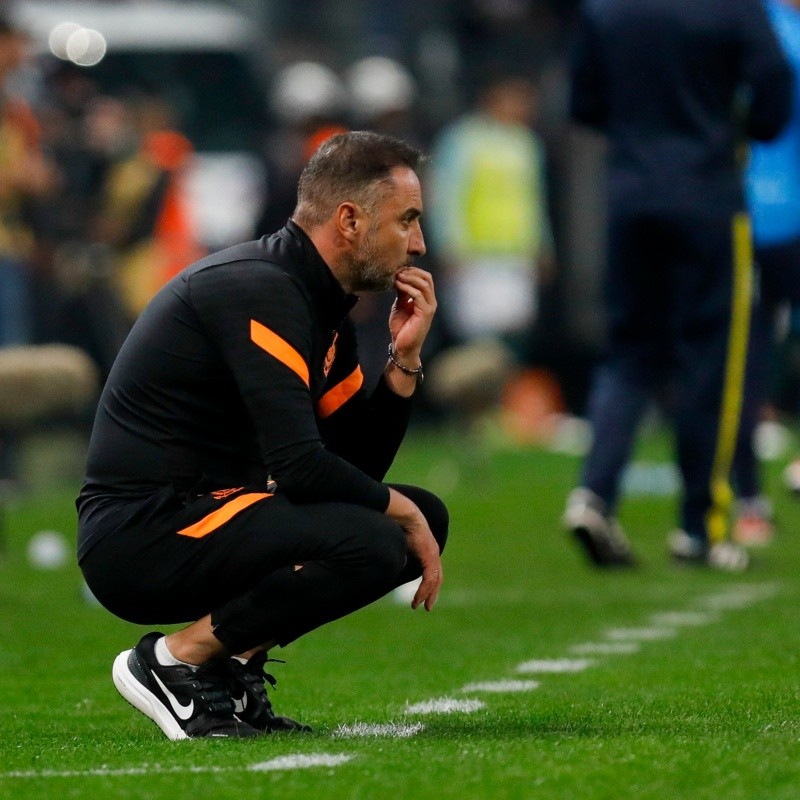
243	368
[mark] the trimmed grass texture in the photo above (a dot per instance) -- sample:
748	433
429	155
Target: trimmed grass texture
711	712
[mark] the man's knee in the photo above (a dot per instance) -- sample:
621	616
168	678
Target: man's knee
432	508
382	549
437	516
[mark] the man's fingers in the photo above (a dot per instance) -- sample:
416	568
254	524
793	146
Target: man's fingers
418	279
404	292
425	595
428	591
430	600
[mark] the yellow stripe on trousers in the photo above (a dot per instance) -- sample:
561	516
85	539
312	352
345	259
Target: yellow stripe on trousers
721	495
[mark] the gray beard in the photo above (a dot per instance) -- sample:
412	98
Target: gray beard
368	278
368	275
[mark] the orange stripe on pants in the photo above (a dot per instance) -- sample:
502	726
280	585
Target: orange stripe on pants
223	514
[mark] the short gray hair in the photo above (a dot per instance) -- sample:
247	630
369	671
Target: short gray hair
349	166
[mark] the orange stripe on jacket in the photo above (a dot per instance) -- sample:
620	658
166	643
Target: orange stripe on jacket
279	348
223	514
335	398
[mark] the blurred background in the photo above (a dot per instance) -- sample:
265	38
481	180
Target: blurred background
154	131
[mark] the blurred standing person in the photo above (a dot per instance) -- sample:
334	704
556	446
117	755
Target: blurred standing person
675	85
88	142
25	173
489	218
773	193
143	213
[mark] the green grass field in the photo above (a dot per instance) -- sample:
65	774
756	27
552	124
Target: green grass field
712	711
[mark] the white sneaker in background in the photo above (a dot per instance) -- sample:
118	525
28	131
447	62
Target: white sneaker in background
723	556
754	526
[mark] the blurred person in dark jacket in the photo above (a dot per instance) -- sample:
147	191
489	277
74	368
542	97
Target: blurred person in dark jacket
677	86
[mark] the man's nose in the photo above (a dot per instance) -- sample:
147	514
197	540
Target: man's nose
416	243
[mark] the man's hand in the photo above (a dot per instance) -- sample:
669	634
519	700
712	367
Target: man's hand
412	314
409	323
421	545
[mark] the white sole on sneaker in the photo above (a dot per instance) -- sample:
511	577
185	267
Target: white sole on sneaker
724	556
728	557
684	547
143	700
601	538
581	515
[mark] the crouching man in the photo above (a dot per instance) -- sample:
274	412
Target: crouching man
234	478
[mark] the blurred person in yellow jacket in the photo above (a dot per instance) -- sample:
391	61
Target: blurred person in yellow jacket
488	215
490	224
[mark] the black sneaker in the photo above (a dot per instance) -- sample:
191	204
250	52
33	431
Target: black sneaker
599	535
250	700
185	703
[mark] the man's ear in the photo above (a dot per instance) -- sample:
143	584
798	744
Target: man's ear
350	220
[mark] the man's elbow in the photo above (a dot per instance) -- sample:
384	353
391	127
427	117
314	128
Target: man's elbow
297	473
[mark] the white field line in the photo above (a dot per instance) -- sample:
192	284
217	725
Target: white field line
683	619
639	634
605	648
555	665
741	596
390	730
445	705
298	761
622	640
501	686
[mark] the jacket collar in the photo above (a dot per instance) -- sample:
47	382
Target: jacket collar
327	293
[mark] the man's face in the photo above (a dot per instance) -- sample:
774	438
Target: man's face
394	236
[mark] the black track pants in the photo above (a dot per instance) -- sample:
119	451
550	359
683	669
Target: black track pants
272	570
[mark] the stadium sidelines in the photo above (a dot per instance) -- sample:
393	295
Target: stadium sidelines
615	641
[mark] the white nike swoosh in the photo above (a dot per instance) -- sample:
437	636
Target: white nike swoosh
181	711
240	704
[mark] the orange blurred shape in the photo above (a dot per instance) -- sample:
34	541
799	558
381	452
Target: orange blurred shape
531	404
168	150
319	137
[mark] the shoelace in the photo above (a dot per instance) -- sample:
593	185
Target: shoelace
254	676
212	688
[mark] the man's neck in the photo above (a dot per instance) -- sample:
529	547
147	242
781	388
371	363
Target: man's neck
323	239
